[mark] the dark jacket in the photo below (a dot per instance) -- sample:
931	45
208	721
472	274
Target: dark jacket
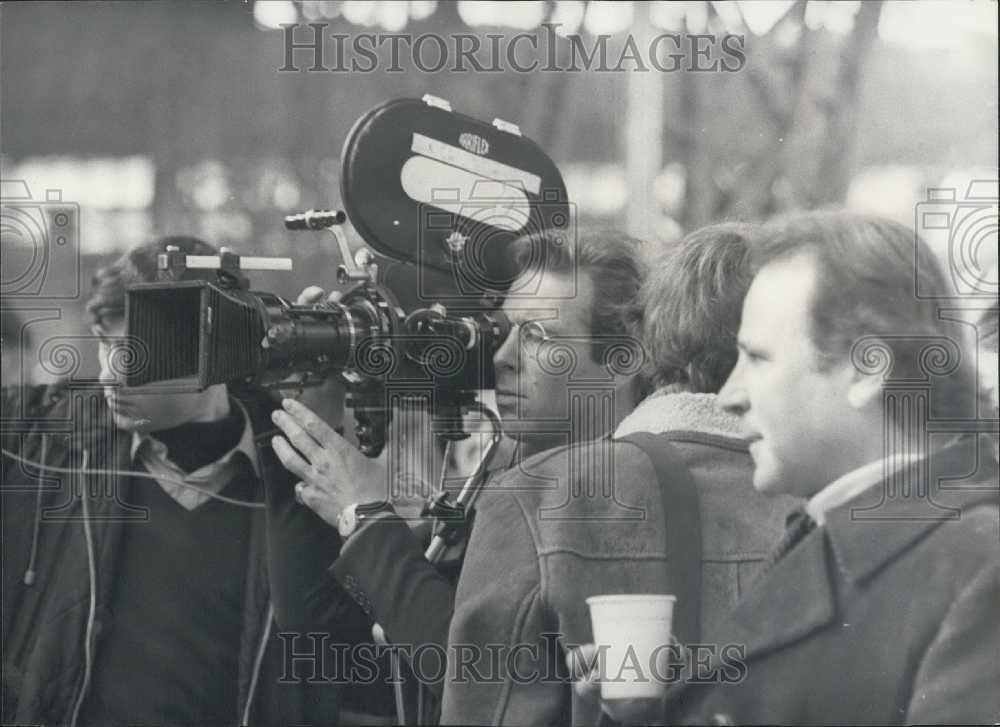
887	614
45	622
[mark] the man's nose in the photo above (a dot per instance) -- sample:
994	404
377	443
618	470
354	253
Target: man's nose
507	356
732	397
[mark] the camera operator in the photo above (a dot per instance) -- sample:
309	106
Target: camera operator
135	585
586	301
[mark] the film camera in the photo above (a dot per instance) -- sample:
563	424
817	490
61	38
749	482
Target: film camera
436	190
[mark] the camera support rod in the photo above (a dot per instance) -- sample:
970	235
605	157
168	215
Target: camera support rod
451	518
172	263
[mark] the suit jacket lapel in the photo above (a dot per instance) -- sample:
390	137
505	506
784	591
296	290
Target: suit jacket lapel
794	598
788	602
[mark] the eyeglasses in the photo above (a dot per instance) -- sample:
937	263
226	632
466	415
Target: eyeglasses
530	337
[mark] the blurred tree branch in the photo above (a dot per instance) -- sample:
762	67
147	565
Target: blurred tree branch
838	156
807	155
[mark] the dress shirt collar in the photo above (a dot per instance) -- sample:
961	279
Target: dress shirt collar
153	454
852	484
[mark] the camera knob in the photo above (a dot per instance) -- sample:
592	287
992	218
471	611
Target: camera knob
276	336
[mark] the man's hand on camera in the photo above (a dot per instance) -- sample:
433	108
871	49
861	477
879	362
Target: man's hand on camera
326	399
334	474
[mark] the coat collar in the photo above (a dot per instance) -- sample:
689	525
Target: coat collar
877	525
798	594
668	411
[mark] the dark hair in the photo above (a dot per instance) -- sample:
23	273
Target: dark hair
138	265
693	299
865	304
611	259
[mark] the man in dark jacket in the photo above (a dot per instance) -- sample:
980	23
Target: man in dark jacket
135	525
880	606
567	373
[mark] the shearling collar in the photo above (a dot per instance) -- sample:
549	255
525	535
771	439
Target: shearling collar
666	411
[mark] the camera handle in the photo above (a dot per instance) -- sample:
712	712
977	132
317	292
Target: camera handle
357	268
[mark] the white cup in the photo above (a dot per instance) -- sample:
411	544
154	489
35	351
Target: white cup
630	630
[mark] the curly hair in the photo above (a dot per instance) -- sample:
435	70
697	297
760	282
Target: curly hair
693	300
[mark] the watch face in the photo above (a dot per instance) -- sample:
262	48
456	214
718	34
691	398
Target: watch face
347	522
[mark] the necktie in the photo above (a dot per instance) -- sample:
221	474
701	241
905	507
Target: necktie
797	526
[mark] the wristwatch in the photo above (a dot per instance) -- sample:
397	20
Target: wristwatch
352	517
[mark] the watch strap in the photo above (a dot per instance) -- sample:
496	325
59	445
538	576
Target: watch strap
354	516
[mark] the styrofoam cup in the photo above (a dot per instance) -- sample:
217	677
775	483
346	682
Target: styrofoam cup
631	630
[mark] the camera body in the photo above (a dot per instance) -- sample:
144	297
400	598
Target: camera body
222	332
423	186
964	231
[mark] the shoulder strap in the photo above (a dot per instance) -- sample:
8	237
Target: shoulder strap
682	522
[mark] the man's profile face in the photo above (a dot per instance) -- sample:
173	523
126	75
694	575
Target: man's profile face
793	408
143	408
533	370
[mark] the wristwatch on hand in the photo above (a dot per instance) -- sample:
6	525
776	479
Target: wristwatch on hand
352	517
